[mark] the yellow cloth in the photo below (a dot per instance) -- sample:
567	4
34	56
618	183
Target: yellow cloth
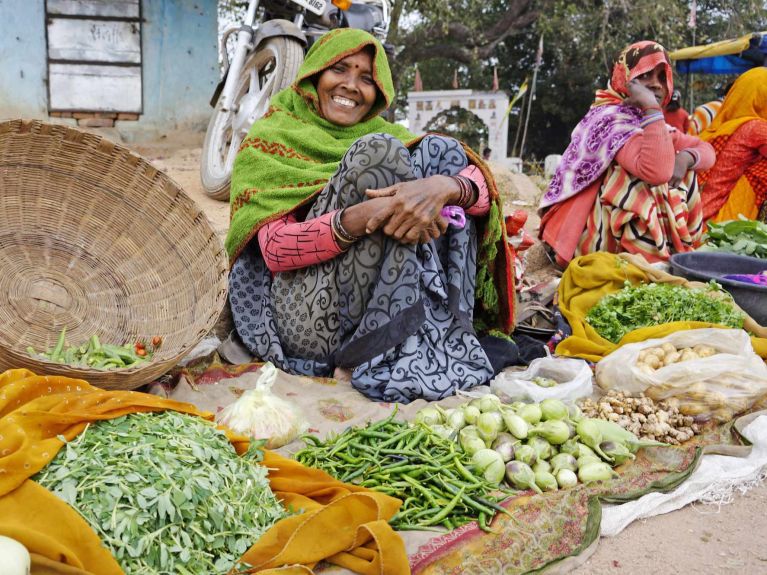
591	277
745	101
740	202
343	524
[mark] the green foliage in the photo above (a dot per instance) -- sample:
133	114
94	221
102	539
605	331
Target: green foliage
745	237
581	39
460	124
166	492
651	304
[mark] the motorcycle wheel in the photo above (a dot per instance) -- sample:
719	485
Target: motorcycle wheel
266	72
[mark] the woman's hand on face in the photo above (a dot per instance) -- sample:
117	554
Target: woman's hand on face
640	96
682	164
415	209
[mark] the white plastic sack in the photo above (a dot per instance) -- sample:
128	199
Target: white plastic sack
718	386
572	375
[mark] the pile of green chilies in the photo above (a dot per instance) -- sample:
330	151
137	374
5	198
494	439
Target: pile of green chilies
431	475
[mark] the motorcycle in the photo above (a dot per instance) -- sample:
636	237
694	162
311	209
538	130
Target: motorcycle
269	50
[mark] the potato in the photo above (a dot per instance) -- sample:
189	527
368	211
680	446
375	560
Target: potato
688	355
656	351
653	361
668	348
642	356
672	357
644	368
705	350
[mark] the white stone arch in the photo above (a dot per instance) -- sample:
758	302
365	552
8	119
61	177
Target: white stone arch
490	107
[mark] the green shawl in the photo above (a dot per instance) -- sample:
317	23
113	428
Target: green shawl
291	152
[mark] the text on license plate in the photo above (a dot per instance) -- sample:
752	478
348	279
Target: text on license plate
316	6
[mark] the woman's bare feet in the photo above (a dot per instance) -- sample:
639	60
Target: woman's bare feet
342	375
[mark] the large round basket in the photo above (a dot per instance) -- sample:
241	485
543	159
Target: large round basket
95	239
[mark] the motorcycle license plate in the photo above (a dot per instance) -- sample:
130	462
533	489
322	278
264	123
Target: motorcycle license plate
316	6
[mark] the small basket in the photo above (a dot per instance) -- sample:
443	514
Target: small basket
95	239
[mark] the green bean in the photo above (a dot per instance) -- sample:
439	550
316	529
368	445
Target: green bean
483	524
383	422
410	527
59	345
464	472
416	440
439	517
395	438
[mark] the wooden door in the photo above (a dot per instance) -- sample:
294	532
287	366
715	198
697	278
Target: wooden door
94	55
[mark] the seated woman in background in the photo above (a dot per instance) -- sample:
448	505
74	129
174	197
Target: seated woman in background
737	184
341	257
626	182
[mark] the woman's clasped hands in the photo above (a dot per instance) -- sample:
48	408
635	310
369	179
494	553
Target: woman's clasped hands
409	212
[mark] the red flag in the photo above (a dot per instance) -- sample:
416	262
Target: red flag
496	87
455	79
417	82
692	22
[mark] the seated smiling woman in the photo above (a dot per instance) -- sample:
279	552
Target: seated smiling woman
340	255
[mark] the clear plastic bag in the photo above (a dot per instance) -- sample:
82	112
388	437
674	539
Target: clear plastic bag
260	414
719	386
573	377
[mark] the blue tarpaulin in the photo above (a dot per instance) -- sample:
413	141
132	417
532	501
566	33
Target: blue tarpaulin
726	57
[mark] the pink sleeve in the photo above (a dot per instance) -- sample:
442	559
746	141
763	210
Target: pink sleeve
287	244
482	205
703	152
649	155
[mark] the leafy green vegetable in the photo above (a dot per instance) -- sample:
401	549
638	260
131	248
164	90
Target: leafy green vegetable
166	492
745	237
645	305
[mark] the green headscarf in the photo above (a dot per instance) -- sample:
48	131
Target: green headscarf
292	151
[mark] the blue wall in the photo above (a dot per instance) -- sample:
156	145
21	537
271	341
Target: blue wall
23	84
180	64
179	54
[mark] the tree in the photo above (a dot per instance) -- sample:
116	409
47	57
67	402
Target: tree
445	34
581	40
460	124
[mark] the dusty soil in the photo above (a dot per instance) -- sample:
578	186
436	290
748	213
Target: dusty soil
696	539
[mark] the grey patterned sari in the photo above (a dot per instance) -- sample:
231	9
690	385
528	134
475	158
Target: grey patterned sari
399	316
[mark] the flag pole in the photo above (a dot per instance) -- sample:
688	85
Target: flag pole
538	57
692	23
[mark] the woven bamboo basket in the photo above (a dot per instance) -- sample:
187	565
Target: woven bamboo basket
95	239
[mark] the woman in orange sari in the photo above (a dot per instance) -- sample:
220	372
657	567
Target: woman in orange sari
737	183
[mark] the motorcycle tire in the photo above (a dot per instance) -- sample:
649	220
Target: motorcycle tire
276	62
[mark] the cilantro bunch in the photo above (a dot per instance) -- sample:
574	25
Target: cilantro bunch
166	492
651	304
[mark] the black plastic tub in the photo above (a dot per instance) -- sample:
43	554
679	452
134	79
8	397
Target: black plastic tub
705	266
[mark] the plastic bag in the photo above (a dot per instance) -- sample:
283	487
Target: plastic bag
260	414
719	386
573	377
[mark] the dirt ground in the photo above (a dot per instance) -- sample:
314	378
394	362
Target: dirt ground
697	539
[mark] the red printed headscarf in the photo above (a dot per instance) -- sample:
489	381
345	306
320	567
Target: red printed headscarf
632	62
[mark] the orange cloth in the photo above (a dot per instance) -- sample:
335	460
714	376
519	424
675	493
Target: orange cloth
737	184
343	524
